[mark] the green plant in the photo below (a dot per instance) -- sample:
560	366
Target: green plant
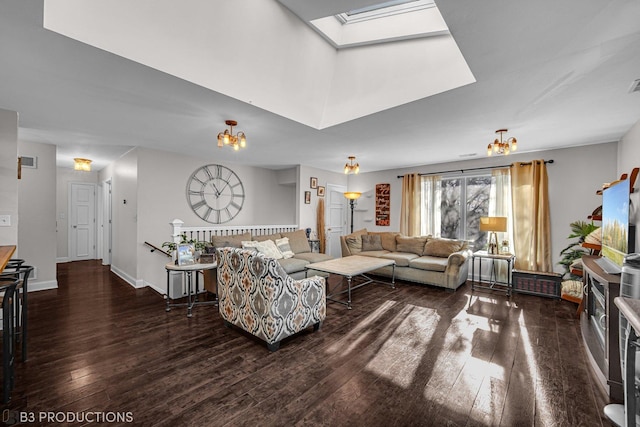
198	245
574	251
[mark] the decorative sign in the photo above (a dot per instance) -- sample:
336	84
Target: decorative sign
383	204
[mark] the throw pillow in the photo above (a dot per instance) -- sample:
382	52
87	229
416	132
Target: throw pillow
354	243
269	249
388	239
284	247
412	245
371	242
298	241
441	247
267	237
249	244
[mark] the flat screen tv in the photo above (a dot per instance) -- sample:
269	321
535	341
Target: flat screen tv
616	240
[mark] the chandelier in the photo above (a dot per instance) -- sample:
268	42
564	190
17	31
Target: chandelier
80	164
228	138
501	146
351	167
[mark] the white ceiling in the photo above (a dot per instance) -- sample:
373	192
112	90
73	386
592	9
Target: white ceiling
557	74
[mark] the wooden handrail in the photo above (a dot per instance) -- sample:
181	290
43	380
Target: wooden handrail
155	248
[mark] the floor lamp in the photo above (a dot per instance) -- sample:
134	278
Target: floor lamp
352	196
492	224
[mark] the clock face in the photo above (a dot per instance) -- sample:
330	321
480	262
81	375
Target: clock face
215	193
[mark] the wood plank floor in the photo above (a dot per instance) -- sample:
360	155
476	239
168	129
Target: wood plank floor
413	356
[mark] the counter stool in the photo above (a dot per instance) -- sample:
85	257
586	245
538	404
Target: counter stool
8	344
20	274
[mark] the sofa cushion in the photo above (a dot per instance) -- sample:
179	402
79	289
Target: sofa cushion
298	241
374	254
371	242
273	237
402	259
234	241
284	247
313	257
292	265
413	245
440	247
430	263
388	239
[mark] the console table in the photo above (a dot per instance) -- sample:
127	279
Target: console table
192	294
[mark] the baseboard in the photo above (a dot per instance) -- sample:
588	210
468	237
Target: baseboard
136	283
62	260
162	290
43	286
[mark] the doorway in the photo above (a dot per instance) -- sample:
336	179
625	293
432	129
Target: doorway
82	224
336	219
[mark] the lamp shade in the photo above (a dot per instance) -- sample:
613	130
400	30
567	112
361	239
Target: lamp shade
352	195
493	223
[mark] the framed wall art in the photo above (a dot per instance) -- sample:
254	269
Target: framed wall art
307	197
313	182
383	204
320	191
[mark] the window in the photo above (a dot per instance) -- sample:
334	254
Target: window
462	201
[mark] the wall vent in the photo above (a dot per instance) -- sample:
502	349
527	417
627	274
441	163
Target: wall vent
635	86
30	162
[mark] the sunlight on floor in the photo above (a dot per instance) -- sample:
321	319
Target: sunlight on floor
405	343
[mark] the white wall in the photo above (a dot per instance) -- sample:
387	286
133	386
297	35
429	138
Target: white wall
629	158
574	177
8	175
308	211
64	177
37	208
153	183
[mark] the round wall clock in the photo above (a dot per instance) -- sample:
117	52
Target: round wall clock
215	193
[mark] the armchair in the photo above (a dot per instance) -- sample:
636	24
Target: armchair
256	295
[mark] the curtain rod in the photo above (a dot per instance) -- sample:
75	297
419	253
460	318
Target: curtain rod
475	169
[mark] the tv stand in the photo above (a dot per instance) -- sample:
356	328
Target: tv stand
599	326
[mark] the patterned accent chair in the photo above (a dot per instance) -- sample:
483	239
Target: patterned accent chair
257	295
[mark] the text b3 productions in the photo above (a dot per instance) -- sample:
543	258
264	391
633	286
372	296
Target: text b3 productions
10	417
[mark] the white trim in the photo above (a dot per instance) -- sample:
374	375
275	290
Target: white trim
43	286
61	260
162	290
136	283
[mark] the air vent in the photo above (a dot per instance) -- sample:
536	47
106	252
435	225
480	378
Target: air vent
635	86
29	162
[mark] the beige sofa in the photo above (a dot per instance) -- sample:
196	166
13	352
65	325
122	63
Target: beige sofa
294	264
425	259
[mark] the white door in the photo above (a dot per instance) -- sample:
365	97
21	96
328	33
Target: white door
82	224
336	218
106	223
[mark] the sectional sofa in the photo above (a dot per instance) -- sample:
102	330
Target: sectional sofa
425	259
290	249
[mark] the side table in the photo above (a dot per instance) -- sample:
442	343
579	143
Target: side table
315	245
192	294
493	283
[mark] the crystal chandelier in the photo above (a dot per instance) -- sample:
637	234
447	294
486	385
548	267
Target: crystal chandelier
228	138
501	146
351	167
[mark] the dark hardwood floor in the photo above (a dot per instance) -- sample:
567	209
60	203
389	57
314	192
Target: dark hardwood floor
413	356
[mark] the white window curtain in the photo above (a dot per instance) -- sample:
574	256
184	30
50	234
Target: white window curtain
430	223
500	201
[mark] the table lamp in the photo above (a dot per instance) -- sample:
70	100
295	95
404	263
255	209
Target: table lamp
492	224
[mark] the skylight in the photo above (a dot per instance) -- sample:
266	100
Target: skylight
382	10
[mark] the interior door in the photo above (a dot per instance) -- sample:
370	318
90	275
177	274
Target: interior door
82	224
336	218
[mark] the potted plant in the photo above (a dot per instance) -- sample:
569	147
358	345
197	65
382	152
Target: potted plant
171	247
574	251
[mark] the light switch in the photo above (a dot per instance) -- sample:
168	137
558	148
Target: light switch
5	220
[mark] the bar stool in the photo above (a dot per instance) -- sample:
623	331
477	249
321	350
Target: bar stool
8	340
20	274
